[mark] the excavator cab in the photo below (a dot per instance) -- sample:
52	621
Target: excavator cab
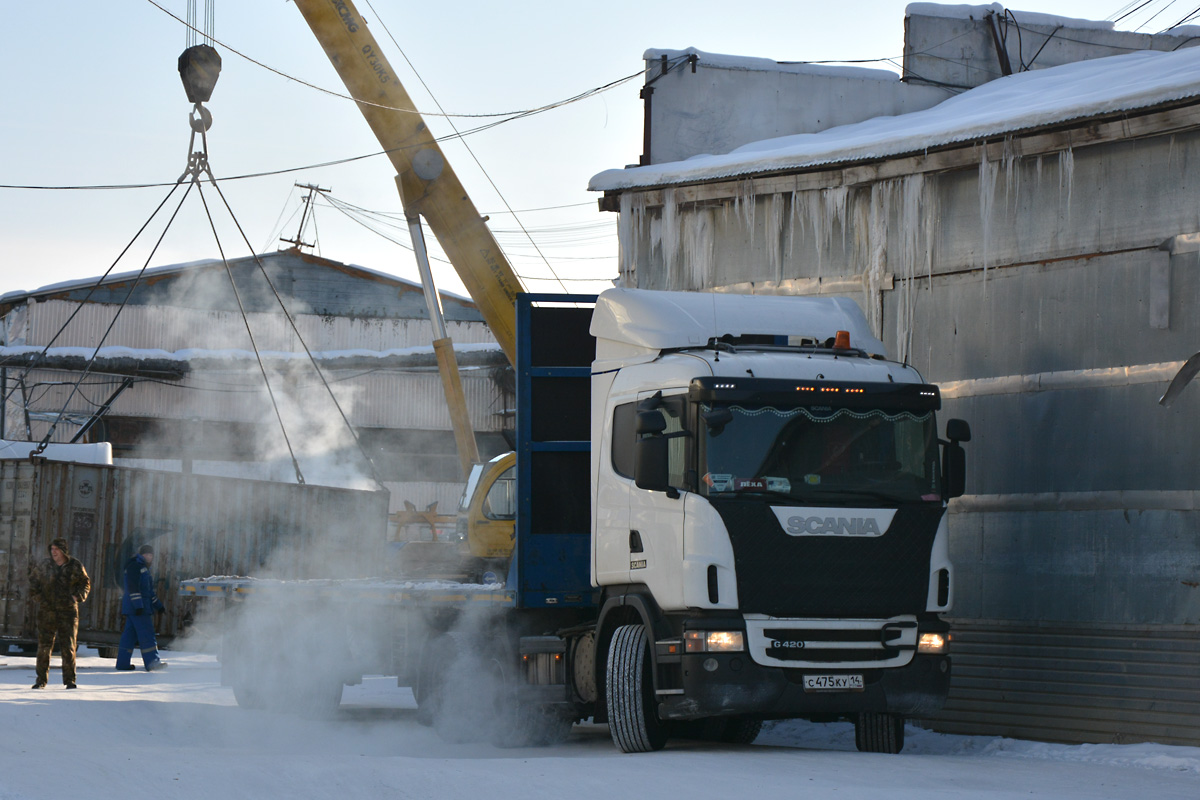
488	510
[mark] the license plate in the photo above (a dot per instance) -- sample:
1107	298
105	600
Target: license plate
833	683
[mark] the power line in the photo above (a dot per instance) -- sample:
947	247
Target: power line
282	74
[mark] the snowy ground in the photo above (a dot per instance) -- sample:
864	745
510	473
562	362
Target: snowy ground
138	734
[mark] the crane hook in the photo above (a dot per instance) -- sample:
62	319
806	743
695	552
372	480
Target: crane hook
200	118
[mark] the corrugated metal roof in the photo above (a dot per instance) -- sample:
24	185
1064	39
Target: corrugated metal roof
1015	104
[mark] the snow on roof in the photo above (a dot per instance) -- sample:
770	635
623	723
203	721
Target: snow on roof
99	453
1023	17
1020	102
120	277
658	320
752	64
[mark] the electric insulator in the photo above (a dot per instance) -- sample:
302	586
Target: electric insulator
199	67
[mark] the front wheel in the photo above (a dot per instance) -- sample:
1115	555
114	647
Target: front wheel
632	716
876	732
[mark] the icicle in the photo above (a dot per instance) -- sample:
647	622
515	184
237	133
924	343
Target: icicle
810	207
875	242
912	222
1007	157
988	173
1066	175
1039	171
626	246
698	246
791	231
747	203
775	235
835	208
1170	150
669	237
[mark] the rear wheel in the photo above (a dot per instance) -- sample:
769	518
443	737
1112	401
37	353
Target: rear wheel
632	717
247	696
876	732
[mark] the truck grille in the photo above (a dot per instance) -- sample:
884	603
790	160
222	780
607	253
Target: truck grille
823	577
832	643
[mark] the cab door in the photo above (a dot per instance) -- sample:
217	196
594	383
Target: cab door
657	517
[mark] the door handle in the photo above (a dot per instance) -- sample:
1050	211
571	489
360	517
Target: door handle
635	542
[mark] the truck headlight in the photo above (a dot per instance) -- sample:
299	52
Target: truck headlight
714	641
933	643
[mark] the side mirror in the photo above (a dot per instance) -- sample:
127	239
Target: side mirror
650	467
957	430
650	422
954	470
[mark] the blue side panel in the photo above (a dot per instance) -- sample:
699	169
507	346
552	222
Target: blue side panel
554	362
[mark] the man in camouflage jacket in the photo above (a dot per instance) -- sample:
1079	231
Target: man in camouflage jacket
58	584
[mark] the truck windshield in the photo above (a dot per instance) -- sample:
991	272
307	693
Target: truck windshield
821	454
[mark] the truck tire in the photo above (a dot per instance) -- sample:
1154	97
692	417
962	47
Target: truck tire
247	696
876	732
452	693
320	698
632	715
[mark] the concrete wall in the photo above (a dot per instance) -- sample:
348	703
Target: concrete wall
719	103
955	46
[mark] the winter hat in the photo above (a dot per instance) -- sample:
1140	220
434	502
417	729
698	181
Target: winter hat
61	544
146	549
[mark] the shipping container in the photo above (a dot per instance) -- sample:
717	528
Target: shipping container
199	526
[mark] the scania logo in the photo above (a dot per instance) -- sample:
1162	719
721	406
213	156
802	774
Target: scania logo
787	644
833	526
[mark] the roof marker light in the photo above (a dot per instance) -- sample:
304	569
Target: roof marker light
841	340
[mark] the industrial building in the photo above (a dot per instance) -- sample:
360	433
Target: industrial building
166	368
1019	217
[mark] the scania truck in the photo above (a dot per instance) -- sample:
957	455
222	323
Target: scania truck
724	509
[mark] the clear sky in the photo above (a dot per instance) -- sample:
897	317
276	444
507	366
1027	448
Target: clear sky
91	96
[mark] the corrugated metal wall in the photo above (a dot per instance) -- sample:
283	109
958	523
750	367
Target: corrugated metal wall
383	399
1073	683
199	526
1049	284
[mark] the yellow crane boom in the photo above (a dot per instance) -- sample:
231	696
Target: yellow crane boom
428	186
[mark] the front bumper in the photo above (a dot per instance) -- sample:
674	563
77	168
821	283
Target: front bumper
739	687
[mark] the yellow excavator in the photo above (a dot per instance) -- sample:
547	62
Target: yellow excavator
430	189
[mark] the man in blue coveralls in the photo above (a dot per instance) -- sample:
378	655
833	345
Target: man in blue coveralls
138	605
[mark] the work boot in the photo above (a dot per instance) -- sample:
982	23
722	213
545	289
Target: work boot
39	685
70	685
156	665
125	669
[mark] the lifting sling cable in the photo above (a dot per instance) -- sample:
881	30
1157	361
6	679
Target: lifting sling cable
246	320
37	359
296	330
91	361
198	165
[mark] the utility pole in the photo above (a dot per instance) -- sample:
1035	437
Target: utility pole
298	243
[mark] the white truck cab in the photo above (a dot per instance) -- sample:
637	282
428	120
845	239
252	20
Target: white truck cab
769	495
